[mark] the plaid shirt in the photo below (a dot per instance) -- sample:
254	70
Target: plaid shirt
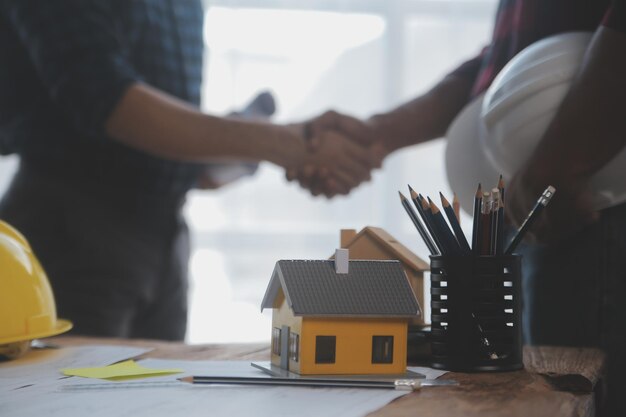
520	23
66	64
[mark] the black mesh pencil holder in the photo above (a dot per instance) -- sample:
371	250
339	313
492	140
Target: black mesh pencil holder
476	311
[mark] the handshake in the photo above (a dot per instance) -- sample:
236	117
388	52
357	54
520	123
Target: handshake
338	153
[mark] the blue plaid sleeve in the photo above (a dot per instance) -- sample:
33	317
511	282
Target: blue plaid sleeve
79	55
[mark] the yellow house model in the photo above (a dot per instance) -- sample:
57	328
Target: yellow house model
375	243
340	316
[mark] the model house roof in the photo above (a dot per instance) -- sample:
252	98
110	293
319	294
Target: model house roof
388	242
370	289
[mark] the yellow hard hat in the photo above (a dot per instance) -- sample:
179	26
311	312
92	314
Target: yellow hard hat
27	309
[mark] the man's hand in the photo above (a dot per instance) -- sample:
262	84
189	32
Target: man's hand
357	130
324	128
569	211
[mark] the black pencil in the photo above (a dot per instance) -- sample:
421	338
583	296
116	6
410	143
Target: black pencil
501	187
485	224
500	226
418	205
494	215
399	384
445	233
456	206
418	225
454	222
434	230
543	201
478	198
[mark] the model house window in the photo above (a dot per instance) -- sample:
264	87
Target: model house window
382	349
276	341
325	349
294	346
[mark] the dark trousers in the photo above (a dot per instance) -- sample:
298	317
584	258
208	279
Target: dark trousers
116	259
575	295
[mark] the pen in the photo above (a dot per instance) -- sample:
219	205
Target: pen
483	339
398	384
543	201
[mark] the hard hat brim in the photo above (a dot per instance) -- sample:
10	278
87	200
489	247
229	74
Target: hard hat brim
62	326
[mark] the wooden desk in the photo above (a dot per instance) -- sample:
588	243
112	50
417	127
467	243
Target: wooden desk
557	382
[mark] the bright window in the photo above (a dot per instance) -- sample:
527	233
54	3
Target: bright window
356	56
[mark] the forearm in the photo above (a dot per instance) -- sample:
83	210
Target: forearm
424	118
159	124
590	126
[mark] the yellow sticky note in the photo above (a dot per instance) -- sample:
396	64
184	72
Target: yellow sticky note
119	371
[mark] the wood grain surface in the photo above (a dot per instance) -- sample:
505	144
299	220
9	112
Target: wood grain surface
556	381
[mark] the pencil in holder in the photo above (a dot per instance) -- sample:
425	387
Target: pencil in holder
476	311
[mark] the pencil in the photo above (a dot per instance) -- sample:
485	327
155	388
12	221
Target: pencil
399	384
456	227
494	215
434	230
478	199
418	205
456	205
418	225
500	226
445	232
485	224
501	187
543	201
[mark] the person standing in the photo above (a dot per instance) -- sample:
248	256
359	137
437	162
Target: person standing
574	277
99	98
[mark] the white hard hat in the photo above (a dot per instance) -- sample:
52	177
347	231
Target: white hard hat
503	127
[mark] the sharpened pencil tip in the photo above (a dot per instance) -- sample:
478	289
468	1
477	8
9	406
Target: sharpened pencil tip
413	194
444	201
402	197
433	206
501	182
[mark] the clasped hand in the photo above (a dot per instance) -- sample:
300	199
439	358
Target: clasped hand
341	152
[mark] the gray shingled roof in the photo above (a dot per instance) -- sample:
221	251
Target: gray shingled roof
371	288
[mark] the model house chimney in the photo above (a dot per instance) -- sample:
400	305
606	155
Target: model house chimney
342	260
346	236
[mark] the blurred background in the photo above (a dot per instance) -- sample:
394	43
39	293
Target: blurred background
356	56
